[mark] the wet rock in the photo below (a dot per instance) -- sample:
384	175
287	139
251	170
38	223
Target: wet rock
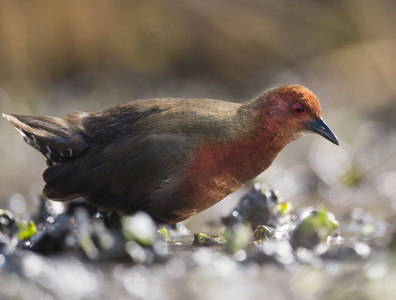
202	239
262	233
112	219
8	224
7	244
95	239
13	231
50	236
255	208
364	227
314	228
279	251
349	251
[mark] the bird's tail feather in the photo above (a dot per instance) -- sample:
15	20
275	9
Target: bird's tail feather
55	138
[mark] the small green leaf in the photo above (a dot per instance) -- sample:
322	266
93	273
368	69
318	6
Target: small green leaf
321	222
26	230
164	233
202	237
284	208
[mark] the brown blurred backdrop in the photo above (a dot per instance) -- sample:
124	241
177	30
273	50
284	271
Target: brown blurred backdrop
62	56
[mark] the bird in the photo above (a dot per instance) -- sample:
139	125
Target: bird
169	157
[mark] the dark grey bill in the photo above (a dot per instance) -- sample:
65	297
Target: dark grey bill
319	126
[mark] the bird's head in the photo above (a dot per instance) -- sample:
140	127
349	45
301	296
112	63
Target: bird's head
295	111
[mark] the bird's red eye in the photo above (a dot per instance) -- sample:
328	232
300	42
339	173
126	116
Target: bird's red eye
298	109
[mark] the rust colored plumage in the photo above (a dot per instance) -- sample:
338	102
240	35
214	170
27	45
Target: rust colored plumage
170	157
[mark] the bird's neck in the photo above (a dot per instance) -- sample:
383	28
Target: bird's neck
243	157
261	137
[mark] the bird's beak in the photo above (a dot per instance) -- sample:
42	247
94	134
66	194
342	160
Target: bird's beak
319	126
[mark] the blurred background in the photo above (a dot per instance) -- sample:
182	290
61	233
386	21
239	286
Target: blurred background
63	56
